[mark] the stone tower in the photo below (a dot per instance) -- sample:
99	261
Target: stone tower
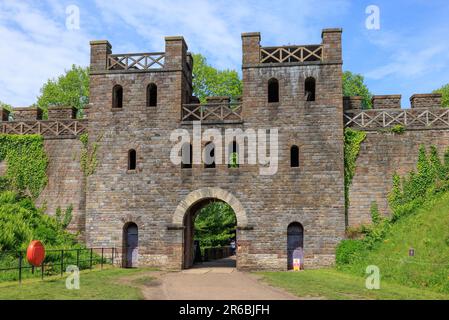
162	198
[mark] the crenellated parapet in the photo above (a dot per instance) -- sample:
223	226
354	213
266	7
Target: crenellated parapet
328	51
61	122
392	101
175	57
426	112
429	100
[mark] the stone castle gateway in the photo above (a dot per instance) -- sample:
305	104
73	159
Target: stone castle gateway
136	193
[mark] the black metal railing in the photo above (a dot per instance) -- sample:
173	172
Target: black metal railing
14	265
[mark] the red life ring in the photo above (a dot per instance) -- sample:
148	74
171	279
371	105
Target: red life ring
36	253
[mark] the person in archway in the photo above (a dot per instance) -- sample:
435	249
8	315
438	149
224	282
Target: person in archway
233	246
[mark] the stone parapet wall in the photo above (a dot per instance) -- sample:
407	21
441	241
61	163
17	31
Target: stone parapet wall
382	154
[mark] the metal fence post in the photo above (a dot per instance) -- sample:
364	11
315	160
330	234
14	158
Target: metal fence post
42	270
62	263
78	258
20	267
102	255
91	252
112	259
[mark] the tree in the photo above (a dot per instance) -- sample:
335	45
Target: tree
444	90
208	81
215	225
5	106
353	85
70	89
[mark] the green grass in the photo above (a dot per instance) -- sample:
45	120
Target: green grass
427	231
336	285
143	281
94	285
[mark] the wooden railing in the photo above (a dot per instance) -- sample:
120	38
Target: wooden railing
291	54
47	128
136	61
213	112
434	118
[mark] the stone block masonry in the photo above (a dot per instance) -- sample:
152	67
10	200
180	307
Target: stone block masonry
382	154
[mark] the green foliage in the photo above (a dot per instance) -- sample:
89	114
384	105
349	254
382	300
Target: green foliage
208	81
21	222
234	160
398	129
70	89
426	230
353	85
26	163
5	106
65	217
419	203
347	250
444	90
430	178
375	215
353	139
215	225
88	157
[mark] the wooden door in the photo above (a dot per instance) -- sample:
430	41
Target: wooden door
132	243
295	238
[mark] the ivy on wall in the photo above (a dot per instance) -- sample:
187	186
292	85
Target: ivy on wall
26	164
88	157
353	139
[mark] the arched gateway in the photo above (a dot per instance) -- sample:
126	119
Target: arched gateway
185	213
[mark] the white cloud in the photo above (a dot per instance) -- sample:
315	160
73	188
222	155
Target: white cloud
213	28
37	46
410	63
34	48
410	56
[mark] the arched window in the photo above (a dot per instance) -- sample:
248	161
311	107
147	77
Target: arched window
209	152
294	157
295	244
233	155
309	89
39	114
152	95
5	114
117	96
74	112
132	159
273	90
186	156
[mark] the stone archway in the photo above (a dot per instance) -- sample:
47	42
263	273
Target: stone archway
185	214
210	193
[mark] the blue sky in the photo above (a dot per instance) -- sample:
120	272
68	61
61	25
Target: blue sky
408	54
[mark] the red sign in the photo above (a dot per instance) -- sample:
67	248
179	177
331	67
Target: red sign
35	253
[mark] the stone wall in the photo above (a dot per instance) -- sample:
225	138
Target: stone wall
431	100
386	102
381	154
65	180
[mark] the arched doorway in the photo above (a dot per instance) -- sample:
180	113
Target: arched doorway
130	245
295	243
210	235
183	218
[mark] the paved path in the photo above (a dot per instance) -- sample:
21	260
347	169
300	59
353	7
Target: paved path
218	280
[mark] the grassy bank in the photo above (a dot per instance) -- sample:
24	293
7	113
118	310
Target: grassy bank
427	232
336	285
105	284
